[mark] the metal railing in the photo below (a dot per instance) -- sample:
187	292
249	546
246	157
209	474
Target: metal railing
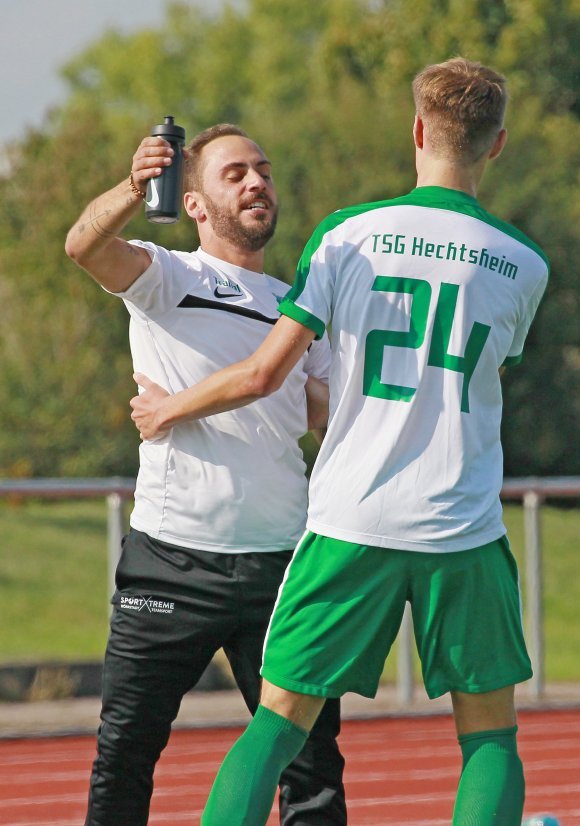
533	491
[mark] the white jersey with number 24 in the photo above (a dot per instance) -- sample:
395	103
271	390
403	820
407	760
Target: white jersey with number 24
427	296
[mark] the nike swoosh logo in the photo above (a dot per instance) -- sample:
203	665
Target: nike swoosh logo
218	294
154	200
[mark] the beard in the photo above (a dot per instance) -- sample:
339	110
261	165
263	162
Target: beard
229	227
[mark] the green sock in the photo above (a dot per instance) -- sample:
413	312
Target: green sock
491	787
244	789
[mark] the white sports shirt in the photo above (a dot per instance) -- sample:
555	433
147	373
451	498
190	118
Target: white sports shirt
427	296
233	482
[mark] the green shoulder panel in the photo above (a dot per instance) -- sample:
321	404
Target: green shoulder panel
327	225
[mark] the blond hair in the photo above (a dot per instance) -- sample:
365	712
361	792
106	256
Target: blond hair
193	167
462	104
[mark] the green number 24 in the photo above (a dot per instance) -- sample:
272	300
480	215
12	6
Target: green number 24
438	356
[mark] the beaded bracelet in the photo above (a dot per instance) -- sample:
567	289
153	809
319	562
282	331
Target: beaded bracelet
134	188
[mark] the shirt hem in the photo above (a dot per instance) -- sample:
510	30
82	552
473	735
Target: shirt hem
224	548
452	544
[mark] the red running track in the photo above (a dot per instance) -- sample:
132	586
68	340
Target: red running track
399	770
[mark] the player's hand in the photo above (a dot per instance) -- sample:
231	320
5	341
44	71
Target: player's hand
147	407
150	159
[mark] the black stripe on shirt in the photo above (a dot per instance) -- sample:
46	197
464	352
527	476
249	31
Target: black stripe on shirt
208	304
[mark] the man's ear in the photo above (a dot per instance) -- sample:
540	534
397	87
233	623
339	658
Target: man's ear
194	206
418	129
498	144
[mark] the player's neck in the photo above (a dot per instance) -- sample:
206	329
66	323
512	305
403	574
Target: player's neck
451	176
231	254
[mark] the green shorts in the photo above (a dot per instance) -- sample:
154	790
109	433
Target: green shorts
340	607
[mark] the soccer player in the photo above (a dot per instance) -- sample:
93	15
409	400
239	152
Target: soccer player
220	504
428	296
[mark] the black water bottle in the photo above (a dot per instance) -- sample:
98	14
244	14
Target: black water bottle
164	194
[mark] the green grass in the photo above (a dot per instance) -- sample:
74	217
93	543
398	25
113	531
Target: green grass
53	583
53	580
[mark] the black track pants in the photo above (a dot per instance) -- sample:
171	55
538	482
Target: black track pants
173	609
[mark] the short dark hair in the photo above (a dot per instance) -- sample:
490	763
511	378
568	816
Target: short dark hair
463	104
193	172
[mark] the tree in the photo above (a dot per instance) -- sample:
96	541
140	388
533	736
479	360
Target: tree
325	88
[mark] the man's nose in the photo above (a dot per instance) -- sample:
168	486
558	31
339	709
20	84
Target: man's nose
255	181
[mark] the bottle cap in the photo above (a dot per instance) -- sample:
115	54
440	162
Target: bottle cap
169	130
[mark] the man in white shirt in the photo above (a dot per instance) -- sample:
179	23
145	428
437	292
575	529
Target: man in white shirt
428	296
219	505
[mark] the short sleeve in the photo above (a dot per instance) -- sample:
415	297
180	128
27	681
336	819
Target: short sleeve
515	354
157	290
310	299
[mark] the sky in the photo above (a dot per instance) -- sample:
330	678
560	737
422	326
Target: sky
37	37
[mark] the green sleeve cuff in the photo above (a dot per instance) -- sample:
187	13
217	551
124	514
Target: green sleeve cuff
511	361
287	307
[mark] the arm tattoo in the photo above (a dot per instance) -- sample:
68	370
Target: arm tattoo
95	221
